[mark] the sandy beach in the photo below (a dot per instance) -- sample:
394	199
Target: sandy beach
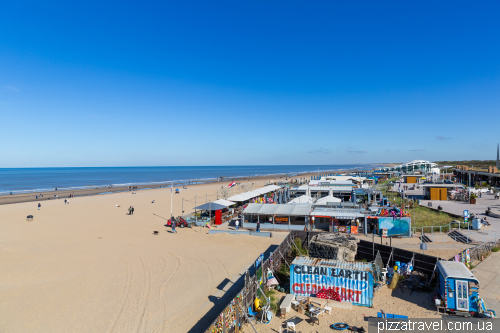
89	267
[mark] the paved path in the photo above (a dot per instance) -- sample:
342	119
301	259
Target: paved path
488	274
487	234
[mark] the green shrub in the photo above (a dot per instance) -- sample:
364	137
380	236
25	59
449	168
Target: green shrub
301	251
274	300
495	249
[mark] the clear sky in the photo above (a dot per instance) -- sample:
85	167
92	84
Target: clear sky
123	83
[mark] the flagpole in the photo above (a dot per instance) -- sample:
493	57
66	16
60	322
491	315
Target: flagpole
171	195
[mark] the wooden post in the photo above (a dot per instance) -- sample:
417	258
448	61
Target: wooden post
237	315
373	243
224	321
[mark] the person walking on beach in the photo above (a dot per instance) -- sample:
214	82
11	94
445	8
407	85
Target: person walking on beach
65	200
39	205
130	210
258	226
133	210
237	224
173	226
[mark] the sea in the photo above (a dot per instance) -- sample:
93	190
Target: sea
26	180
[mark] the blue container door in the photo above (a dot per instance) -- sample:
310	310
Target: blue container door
452	293
462	294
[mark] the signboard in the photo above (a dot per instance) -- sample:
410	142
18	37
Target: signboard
281	219
352	285
396	226
384	232
342	228
466	213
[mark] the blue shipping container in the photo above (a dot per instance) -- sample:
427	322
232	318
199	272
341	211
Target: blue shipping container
352	281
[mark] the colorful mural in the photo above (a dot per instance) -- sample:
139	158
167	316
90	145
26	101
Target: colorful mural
395	226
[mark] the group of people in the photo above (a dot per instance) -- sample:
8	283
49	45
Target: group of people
131	210
482	220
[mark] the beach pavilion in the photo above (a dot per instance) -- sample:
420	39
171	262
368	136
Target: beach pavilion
284	217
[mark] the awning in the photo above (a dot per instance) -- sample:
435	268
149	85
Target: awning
254	194
338	215
271	209
216	205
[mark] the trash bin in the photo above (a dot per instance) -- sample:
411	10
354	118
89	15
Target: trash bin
29	218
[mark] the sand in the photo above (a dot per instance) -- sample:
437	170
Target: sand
89	267
418	305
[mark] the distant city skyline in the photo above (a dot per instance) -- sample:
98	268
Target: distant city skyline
229	83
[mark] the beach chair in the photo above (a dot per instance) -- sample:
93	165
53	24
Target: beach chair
251	314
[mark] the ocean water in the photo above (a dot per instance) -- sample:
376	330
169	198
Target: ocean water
23	180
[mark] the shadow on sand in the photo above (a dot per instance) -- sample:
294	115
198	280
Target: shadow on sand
221	302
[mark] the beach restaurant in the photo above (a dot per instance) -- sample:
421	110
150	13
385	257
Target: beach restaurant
284	217
345	219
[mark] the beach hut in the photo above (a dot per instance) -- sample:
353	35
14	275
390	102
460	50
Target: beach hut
458	288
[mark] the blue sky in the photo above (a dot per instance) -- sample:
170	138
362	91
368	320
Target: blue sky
237	83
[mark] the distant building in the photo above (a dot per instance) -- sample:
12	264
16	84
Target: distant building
413	166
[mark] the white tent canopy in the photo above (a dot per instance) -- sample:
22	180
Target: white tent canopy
216	205
325	200
224	202
254	194
302	199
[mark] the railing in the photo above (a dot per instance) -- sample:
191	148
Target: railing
464	237
446	227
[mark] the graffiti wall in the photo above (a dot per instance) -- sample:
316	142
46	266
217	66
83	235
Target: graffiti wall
352	285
